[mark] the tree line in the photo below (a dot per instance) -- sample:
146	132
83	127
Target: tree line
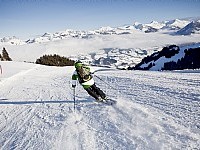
50	60
54	60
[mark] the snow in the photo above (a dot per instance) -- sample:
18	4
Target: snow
12	40
155	110
156	25
177	23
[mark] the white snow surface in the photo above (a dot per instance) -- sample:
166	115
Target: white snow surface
154	110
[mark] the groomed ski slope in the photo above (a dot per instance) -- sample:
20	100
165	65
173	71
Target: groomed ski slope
155	110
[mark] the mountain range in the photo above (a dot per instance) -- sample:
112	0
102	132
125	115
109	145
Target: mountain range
176	26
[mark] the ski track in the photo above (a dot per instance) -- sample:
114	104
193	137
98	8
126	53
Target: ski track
155	111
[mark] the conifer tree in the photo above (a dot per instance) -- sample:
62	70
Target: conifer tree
5	55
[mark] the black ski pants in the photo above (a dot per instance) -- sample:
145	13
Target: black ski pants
95	92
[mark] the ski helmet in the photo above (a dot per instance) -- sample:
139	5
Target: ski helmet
78	64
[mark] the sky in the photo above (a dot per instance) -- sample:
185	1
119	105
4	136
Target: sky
30	18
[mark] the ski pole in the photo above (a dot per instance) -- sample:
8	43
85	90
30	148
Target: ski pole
105	82
108	84
1	69
74	99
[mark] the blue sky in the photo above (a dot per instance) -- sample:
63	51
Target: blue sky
28	18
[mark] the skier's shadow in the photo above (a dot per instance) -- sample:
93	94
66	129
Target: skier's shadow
2	102
3	99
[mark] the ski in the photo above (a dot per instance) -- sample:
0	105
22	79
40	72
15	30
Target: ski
109	102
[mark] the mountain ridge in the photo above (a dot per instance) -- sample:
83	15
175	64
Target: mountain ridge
175	25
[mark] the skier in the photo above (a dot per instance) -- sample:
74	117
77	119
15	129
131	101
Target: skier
85	78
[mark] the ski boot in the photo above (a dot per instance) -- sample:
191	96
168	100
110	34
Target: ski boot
99	99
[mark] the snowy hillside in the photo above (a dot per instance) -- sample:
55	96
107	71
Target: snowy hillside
176	24
155	110
171	58
191	28
12	41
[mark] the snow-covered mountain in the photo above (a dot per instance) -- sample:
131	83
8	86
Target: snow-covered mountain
172	58
81	34
175	24
147	28
154	26
191	28
12	41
